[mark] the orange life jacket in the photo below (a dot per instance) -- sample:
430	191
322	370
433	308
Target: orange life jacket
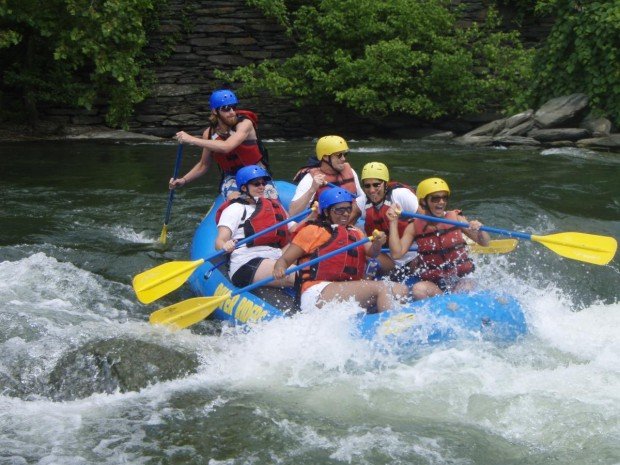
346	266
442	250
344	179
268	212
375	216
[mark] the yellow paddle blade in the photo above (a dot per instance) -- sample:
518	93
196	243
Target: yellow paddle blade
184	314
152	284
164	234
589	248
495	246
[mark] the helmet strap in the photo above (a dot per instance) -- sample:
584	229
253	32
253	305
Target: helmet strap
382	201
329	163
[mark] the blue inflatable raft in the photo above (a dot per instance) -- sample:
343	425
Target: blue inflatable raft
439	319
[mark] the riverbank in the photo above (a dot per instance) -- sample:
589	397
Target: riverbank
46	131
561	122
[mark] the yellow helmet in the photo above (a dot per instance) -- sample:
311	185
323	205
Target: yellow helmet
328	145
375	170
430	186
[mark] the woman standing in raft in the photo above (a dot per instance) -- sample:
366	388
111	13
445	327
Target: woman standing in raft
442	251
242	217
340	276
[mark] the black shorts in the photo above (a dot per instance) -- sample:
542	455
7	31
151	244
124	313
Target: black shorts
244	276
400	273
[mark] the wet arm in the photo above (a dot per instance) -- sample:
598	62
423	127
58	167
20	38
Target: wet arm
474	232
244	130
300	204
198	170
289	256
399	246
223	239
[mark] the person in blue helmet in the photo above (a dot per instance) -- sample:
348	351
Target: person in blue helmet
246	215
341	276
230	140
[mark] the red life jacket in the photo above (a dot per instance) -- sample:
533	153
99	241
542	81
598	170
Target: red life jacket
375	217
346	266
249	152
442	250
268	212
344	179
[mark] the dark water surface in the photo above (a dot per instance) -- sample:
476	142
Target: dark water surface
84	379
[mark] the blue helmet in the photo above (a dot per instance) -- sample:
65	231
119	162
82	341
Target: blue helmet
333	196
250	172
222	97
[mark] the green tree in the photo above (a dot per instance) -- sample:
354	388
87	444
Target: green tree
390	56
75	52
581	54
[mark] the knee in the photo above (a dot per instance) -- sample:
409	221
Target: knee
424	289
400	291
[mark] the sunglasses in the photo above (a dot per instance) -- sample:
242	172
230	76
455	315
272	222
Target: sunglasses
376	185
342	210
227	108
340	155
262	182
437	198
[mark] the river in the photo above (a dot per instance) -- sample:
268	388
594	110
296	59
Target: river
84	378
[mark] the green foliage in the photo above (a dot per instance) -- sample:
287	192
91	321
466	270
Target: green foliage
77	52
390	56
275	9
581	54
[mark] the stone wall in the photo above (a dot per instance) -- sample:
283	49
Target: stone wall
227	34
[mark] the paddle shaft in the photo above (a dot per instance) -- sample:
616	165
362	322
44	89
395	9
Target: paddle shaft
177	167
294	269
413	248
605	246
434	219
497	246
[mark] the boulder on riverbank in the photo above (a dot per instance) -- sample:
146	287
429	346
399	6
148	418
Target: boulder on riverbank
561	122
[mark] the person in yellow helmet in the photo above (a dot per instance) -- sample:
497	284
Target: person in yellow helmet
331	168
442	259
380	193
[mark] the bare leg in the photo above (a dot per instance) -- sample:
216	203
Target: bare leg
366	293
425	289
265	269
465	285
386	262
